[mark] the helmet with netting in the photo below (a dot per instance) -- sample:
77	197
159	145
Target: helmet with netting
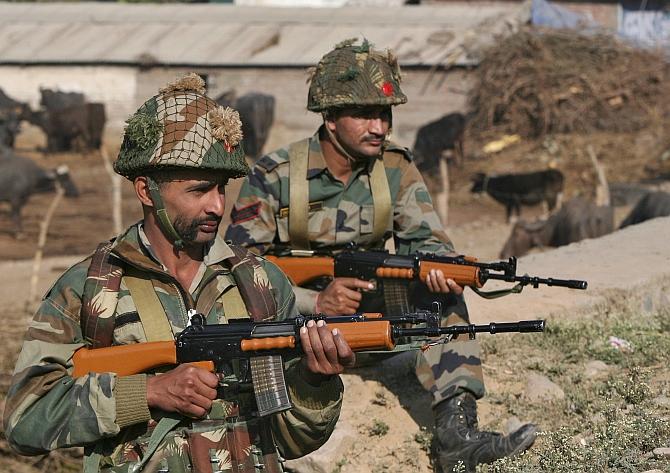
355	75
182	128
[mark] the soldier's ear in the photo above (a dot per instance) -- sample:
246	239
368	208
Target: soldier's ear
141	185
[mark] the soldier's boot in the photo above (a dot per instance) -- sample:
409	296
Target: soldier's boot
459	442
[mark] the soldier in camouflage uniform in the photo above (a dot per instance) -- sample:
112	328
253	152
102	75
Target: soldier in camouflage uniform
179	150
325	192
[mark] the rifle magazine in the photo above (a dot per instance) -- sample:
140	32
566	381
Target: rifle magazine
267	375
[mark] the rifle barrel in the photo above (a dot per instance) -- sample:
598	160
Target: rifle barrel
536	281
494	327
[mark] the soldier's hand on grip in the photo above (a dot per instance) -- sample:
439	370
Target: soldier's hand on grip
186	389
326	353
341	296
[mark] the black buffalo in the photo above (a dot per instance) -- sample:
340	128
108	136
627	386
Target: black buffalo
515	190
75	127
12	112
652	205
434	138
577	220
257	115
20	178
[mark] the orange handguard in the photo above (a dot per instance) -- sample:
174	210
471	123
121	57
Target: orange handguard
398	273
462	275
267	343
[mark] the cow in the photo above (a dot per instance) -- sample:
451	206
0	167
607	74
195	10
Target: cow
577	220
11	114
20	178
75	127
57	100
652	205
434	138
515	190
257	115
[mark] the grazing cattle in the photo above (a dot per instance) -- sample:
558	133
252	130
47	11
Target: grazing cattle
576	220
57	100
515	190
75	127
434	138
11	114
257	115
20	178
652	205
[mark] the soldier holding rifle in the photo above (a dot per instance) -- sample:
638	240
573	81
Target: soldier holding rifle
348	184
179	150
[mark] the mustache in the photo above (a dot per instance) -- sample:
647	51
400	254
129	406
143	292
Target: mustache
372	137
211	219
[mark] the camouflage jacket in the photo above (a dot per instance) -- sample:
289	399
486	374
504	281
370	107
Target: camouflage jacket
111	412
339	213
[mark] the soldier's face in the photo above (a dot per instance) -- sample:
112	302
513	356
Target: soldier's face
195	204
361	131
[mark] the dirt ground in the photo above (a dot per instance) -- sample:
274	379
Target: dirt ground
390	396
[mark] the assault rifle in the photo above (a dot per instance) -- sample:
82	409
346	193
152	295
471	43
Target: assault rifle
305	267
218	347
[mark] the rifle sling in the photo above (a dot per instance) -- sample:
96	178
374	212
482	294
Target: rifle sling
298	228
498	293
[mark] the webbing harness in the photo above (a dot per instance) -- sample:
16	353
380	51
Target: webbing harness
299	197
104	278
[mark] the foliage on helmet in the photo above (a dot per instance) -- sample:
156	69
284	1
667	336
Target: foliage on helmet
181	127
355	75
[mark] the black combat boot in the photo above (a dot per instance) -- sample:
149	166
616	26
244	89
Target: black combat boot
457	438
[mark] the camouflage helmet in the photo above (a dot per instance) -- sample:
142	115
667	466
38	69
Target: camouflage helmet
182	128
355	75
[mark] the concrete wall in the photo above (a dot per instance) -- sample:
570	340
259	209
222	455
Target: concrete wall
431	94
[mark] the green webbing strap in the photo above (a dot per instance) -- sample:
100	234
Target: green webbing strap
161	213
233	305
498	293
298	195
152	314
381	199
164	426
92	462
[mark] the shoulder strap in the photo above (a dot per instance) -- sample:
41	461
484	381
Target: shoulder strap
100	296
298	195
253	284
381	199
152	314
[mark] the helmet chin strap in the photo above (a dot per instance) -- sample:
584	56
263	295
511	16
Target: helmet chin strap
161	213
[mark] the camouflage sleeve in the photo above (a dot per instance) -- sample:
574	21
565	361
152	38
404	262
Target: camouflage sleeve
311	421
252	219
46	408
416	224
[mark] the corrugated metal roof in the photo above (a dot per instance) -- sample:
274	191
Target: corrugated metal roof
228	35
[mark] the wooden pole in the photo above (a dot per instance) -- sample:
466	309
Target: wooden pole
442	204
117	218
602	188
41	242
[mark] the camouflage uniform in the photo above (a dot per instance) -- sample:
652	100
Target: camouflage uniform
342	214
47	408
